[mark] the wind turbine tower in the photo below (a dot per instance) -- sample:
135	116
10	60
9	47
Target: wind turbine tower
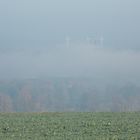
88	40
67	42
101	41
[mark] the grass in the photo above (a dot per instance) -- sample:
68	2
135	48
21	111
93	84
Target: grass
70	126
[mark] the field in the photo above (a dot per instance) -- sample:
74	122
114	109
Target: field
70	126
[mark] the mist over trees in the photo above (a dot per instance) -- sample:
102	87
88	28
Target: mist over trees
77	78
67	94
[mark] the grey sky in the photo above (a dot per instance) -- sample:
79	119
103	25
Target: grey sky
50	21
30	24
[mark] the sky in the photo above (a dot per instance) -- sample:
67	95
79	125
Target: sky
49	22
29	30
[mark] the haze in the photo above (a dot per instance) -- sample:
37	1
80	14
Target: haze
69	55
33	39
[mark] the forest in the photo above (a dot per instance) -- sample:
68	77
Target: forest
67	94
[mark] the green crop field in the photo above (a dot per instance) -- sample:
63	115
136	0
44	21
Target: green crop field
70	126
